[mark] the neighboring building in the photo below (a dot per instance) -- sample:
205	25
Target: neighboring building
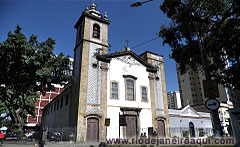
191	90
118	95
225	117
234	114
189	123
41	102
174	100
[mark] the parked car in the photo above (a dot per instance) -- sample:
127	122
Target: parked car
54	136
29	135
11	134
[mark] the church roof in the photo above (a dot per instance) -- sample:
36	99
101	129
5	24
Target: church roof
188	111
151	53
108	57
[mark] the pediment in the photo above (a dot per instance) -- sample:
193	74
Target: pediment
128	57
189	111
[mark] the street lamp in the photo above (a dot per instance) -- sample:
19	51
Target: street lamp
137	4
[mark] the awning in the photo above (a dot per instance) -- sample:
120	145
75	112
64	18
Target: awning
3	129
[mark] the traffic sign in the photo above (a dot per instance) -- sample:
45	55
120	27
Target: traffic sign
210	88
212	104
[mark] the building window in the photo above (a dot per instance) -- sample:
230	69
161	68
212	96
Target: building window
80	33
67	99
57	104
61	104
130	90
96	31
144	94
114	90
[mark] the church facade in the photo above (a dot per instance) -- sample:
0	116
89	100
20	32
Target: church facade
118	95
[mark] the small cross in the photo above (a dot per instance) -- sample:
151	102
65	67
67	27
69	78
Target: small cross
93	1
127	42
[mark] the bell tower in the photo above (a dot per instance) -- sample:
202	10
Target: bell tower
88	103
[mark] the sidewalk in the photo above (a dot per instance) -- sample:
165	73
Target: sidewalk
48	144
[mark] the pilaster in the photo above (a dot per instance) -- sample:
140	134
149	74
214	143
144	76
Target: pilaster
81	123
102	133
165	99
152	97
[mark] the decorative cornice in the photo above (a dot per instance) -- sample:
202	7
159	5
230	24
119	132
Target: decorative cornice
90	42
104	67
130	76
130	109
93	115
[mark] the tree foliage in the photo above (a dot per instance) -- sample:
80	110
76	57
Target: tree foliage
212	24
28	66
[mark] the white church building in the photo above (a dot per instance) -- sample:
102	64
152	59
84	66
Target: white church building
117	95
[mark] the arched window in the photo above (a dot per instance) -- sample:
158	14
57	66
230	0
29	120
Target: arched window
191	129
96	31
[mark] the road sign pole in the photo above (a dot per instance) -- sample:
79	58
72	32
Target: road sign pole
217	129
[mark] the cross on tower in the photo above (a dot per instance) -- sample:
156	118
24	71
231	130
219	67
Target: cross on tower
127	43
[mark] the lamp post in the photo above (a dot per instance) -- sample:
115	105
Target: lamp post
137	4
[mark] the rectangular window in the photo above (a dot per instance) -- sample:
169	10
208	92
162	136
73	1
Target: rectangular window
80	33
61	104
144	94
114	90
67	99
57	104
130	90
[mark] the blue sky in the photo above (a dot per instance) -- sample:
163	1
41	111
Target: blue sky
56	18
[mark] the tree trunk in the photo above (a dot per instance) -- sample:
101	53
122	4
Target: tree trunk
20	123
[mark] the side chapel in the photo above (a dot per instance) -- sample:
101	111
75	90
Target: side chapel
118	95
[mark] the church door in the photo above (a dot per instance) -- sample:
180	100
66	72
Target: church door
131	129
161	129
92	129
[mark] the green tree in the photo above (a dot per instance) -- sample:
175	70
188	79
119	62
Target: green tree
28	66
213	25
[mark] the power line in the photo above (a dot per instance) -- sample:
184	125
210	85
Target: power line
144	42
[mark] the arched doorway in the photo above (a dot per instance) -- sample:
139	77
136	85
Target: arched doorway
92	129
161	129
191	129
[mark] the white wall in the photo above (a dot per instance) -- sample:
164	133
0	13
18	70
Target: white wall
127	65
